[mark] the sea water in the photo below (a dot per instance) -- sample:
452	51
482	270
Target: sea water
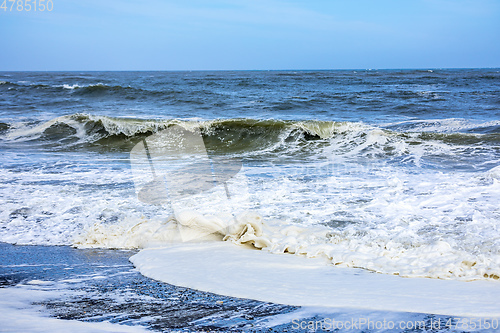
390	171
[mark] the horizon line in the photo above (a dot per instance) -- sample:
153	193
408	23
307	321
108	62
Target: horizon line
249	70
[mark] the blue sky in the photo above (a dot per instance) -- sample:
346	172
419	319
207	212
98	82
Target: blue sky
252	34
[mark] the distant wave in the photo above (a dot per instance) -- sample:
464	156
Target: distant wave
4	127
81	89
7	83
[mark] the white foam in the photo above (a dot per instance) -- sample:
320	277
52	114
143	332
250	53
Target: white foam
495	173
230	270
51	206
70	87
439	228
39	282
448	125
426	224
149	233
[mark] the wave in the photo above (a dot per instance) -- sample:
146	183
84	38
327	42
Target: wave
4	127
100	88
90	90
8	83
26	84
131	127
269	136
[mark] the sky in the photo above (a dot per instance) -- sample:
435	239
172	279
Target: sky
251	35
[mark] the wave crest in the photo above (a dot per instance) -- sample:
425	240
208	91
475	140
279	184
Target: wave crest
282	138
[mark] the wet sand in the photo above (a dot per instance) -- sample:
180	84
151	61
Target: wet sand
102	285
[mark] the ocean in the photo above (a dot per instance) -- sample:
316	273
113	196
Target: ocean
391	172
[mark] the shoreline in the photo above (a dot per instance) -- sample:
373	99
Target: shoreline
101	286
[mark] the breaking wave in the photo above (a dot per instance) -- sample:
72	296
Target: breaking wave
452	139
